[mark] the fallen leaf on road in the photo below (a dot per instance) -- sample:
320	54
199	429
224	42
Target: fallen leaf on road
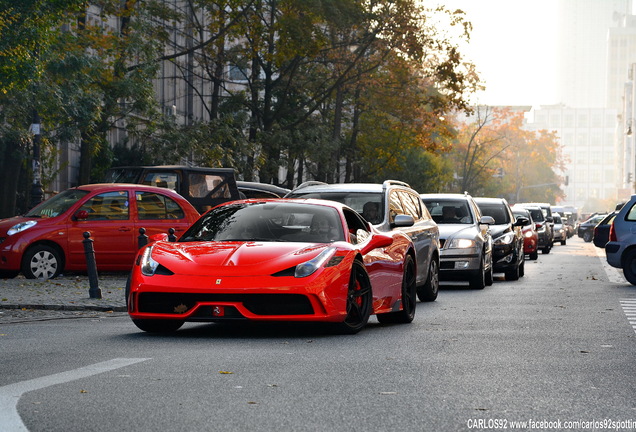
226	372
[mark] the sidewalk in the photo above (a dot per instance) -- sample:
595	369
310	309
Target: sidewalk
64	293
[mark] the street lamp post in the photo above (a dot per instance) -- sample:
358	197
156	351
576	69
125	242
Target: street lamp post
36	188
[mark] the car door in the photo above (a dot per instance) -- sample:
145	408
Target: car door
109	220
157	213
421	233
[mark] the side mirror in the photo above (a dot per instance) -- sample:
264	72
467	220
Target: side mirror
158	237
549	219
487	220
403	221
522	221
377	241
81	215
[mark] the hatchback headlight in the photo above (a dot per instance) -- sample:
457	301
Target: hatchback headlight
505	239
309	267
460	243
21	227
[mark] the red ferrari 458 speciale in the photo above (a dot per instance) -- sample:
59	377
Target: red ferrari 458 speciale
275	260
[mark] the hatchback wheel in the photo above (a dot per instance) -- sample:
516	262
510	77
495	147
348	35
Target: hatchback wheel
41	262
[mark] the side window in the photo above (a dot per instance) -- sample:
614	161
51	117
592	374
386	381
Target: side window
411	205
395	206
631	215
108	206
151	205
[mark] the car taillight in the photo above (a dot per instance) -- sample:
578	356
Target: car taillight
612	234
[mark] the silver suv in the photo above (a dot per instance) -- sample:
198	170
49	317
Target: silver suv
621	248
466	243
392	205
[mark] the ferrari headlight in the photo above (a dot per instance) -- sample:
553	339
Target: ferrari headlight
309	267
505	239
21	227
460	243
147	264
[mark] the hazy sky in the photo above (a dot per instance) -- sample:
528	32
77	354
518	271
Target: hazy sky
510	46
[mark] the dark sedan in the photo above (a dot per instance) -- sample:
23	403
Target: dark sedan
586	229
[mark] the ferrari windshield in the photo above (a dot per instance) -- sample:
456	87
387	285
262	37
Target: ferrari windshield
57	204
268	221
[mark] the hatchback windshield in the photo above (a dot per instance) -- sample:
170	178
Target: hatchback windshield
496	211
57	204
268	222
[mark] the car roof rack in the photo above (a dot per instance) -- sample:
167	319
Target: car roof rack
388	183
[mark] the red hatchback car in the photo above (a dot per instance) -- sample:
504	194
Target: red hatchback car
530	235
49	238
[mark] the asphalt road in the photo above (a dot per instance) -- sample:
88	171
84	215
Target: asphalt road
555	350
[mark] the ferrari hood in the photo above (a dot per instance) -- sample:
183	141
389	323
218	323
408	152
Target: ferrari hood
233	258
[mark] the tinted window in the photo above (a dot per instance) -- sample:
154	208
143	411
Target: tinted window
497	211
395	206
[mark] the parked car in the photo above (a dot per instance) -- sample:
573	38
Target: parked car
621	248
465	240
274	260
260	190
507	239
586	229
203	187
560	233
541	224
49	238
390	206
602	229
546	209
530	236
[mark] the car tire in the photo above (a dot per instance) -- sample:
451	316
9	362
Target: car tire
428	292
587	236
522	267
478	279
490	277
359	300
546	250
158	325
534	256
563	242
41	262
629	266
409	297
513	274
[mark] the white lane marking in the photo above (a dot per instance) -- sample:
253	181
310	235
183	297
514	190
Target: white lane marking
613	274
628	306
10	420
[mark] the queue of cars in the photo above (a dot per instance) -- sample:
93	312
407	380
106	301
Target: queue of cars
334	253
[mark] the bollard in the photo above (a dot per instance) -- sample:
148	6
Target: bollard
142	239
91	267
171	236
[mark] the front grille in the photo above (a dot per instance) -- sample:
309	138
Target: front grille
258	304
